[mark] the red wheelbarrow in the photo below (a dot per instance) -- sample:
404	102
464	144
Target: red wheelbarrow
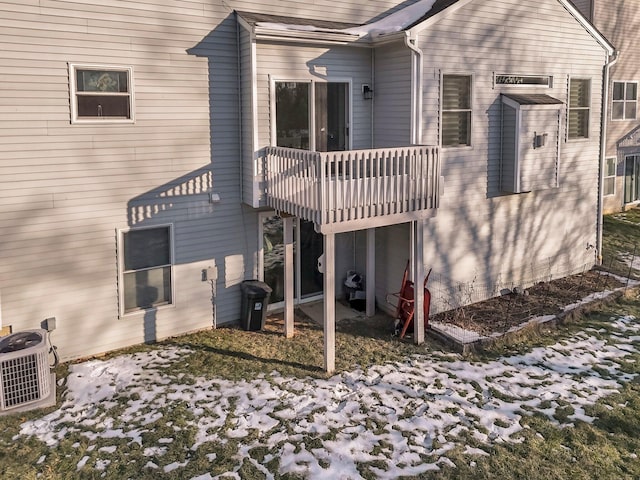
405	306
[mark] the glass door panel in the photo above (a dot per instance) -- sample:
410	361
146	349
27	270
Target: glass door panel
631	180
331	101
292	114
311	248
273	256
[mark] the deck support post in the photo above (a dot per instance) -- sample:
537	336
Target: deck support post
417	269
370	276
287	225
329	303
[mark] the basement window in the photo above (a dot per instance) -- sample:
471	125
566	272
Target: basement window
146	266
101	94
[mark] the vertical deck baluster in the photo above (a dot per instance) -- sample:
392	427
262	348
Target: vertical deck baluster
414	179
417	171
358	160
352	185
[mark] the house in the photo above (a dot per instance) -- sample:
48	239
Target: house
157	153
617	20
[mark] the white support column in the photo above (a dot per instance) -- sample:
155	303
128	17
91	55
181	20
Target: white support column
287	226
371	272
418	281
329	303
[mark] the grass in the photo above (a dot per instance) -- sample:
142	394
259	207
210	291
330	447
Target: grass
606	449
620	240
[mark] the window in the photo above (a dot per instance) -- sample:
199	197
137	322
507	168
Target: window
526	80
625	100
456	110
579	108
609	176
101	94
146	268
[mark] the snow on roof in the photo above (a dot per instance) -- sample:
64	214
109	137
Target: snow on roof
392	23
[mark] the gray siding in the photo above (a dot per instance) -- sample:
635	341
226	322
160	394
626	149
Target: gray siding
508	158
250	194
67	189
480	236
618	22
392	90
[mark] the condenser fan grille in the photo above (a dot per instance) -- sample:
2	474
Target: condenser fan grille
25	374
21	381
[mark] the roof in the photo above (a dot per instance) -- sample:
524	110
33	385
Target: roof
437	7
411	18
533	99
254	19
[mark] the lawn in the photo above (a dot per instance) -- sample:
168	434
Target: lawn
561	403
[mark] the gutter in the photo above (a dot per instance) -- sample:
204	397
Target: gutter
416	91
603	147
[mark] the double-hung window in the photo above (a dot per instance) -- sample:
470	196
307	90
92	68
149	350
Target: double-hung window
609	176
579	108
624	100
456	110
146	263
101	94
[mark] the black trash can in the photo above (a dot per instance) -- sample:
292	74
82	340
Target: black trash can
255	299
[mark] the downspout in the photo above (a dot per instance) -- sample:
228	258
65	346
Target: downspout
603	148
416	92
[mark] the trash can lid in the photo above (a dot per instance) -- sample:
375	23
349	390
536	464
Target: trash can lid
255	287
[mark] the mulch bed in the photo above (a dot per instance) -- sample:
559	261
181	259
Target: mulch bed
497	315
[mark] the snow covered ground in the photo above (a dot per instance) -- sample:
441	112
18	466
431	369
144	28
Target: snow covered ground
400	418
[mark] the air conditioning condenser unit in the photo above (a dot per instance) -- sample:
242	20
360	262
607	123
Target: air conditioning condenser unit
27	379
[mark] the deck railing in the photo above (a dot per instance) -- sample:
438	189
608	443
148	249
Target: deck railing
353	188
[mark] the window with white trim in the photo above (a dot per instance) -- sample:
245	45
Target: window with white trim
609	186
147	268
579	108
101	94
456	110
624	100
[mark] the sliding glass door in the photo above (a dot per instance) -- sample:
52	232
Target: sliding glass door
308	116
308	247
312	115
631	179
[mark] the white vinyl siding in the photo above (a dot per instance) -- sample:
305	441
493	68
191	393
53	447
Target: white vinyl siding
480	235
579	108
68	188
392	96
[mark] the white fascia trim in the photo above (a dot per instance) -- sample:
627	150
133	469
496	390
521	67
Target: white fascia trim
262	33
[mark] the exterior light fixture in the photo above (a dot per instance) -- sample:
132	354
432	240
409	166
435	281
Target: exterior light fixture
367	92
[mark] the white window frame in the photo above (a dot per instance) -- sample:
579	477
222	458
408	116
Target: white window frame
609	177
470	109
587	108
273	134
623	101
75	119
121	269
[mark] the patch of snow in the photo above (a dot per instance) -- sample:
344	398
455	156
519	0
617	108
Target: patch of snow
82	462
174	466
387	416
